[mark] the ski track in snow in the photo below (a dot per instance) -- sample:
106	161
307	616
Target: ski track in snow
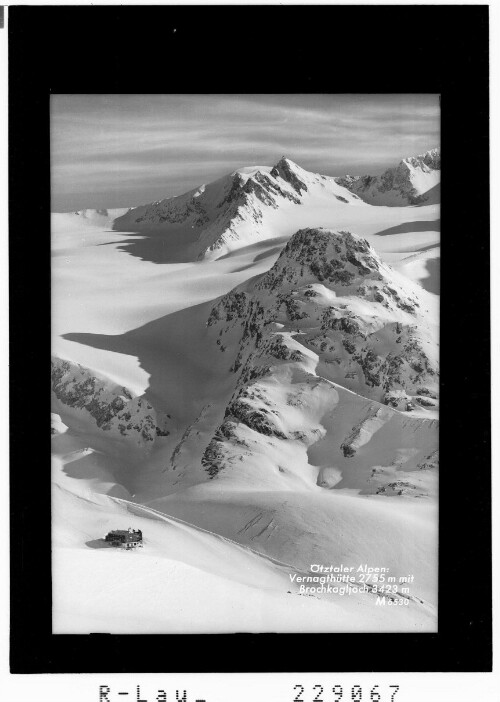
168	518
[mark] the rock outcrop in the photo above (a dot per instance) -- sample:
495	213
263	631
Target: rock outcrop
112	408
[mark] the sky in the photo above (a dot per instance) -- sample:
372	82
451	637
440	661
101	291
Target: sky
125	150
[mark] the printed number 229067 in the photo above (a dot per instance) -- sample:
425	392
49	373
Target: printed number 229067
347	694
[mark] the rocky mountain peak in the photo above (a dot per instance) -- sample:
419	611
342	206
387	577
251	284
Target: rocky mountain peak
326	284
334	258
289	172
328	314
430	159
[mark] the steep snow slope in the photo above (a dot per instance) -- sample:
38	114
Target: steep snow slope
326	528
414	181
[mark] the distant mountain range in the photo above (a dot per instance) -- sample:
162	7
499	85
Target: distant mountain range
260	202
414	181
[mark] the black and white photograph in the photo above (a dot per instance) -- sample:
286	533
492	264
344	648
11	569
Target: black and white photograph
249	353
245	363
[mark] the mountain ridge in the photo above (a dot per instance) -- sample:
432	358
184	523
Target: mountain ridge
414	181
241	206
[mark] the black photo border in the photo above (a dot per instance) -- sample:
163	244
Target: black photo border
258	49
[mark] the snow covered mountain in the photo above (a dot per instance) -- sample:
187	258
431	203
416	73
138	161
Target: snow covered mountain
258	359
239	208
414	181
256	203
329	326
334	295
